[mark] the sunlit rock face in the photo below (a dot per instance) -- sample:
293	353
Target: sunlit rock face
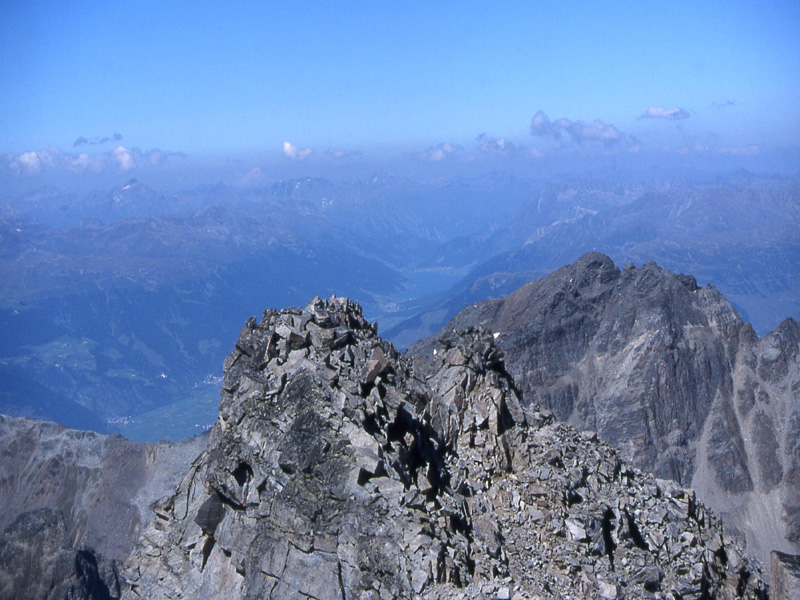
668	373
339	469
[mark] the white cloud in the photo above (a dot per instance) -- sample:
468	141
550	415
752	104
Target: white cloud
37	161
596	131
579	131
254	176
542	126
123	158
30	162
496	145
439	152
84	162
671	114
294	153
156	157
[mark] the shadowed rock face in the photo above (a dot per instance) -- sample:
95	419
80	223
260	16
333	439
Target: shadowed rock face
101	484
37	560
74	504
670	375
785	571
338	470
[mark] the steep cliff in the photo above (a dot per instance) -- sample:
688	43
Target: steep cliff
74	504
37	560
337	471
669	374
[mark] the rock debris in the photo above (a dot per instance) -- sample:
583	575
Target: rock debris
339	469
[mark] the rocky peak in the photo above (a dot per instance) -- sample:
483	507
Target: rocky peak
338	469
668	373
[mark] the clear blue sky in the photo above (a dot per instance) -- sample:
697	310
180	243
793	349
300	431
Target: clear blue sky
214	78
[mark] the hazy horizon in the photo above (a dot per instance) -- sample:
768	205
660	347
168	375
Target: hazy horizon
252	93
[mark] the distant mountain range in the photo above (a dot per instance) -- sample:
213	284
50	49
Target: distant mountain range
744	240
118	304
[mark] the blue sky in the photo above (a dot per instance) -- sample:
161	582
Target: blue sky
353	81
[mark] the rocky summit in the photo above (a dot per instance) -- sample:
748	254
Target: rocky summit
339	469
668	373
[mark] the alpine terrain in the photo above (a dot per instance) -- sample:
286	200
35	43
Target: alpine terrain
669	374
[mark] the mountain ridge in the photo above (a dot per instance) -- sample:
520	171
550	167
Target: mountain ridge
669	373
339	470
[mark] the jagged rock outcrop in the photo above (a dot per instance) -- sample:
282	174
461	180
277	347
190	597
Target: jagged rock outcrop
669	374
335	471
74	503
